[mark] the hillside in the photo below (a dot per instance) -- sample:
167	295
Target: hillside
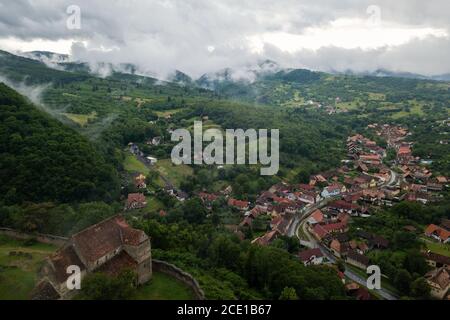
42	160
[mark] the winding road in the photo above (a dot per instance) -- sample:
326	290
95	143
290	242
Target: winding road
300	222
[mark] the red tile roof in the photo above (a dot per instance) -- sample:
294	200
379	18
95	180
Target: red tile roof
320	231
119	263
136	197
317	216
105	237
438	231
64	258
238	203
306	255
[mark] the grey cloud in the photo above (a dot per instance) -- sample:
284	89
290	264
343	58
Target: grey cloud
162	35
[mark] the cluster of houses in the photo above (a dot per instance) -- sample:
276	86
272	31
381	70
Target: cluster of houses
439	277
417	181
361	183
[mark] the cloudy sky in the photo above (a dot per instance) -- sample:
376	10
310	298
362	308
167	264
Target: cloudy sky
200	36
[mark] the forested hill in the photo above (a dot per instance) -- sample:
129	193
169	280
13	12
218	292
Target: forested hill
42	160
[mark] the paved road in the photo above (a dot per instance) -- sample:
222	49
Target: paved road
385	294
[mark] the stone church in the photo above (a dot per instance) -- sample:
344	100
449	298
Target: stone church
110	247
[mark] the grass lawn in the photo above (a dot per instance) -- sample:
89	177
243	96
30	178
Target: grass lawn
132	164
164	287
81	119
174	173
440	248
18	274
166	113
415	108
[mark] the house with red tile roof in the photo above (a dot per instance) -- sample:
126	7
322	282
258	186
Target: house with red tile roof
356	259
438	233
136	201
238	204
110	246
439	281
316	217
311	257
267	238
436	260
319	232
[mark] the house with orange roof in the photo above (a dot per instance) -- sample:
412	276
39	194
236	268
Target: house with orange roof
316	217
438	233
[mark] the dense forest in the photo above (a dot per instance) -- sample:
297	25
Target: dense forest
42	160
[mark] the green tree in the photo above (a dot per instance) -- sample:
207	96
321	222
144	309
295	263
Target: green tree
99	286
288	293
420	289
402	281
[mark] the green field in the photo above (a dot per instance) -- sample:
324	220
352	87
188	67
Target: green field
163	287
439	248
18	274
81	119
166	113
174	173
132	164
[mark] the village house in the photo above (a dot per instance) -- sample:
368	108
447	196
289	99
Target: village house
404	154
311	257
110	246
439	282
373	159
339	248
331	191
207	199
238	204
139	181
437	233
309	197
267	238
436	260
343	206
315	218
136	201
319	232
356	259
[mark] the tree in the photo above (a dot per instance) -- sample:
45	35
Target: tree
288	293
402	281
420	289
194	211
99	286
341	265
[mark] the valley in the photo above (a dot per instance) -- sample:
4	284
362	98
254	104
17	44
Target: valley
364	169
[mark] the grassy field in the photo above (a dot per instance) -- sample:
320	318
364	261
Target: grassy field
163	287
167	113
416	108
132	164
18	274
439	248
81	119
174	173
